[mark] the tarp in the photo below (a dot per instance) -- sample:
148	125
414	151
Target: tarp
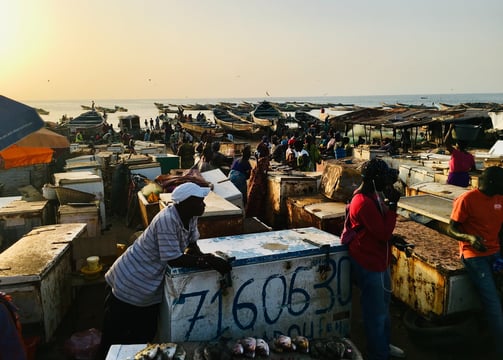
17	120
17	156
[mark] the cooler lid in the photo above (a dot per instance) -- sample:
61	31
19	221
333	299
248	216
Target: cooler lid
33	256
221	184
327	210
216	205
268	246
75	177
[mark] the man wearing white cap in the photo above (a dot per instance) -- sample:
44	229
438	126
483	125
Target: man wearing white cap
134	282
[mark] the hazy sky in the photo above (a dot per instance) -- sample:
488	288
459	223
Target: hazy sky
120	49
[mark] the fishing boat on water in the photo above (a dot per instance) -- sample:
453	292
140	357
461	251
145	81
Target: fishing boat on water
234	123
266	115
41	111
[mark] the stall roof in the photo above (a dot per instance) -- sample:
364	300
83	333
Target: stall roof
406	117
391	118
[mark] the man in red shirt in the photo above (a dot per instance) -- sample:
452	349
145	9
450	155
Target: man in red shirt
373	212
476	222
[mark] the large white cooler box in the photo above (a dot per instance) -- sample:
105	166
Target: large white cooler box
294	282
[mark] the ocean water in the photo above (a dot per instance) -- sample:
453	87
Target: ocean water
146	109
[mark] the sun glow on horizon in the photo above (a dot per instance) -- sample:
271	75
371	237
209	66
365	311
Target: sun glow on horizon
60	49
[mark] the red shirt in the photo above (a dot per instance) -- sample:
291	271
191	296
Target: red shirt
461	161
480	215
371	247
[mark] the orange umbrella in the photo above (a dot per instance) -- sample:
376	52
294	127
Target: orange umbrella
36	148
44	138
17	156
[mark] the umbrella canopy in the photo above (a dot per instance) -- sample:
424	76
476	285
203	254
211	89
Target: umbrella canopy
17	156
44	138
17	120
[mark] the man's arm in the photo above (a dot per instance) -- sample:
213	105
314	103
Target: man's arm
202	261
475	241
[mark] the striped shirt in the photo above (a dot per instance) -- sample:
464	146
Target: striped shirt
137	276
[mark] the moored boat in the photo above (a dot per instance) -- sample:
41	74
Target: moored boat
266	115
234	123
41	111
90	123
197	128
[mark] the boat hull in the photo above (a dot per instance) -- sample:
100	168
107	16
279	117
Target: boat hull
266	115
198	128
233	123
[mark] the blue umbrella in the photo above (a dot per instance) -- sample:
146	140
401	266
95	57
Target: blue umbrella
17	120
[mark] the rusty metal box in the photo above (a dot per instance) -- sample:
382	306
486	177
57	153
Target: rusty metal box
279	189
295	209
432	281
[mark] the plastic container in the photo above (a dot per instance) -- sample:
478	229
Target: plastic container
340	153
168	162
466	132
49	192
93	262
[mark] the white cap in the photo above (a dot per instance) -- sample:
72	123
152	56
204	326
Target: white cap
184	191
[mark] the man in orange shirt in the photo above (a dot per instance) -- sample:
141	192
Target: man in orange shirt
476	222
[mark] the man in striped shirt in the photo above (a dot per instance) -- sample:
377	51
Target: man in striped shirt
134	282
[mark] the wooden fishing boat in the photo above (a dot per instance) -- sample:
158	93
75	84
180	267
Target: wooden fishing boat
304	117
197	128
266	115
106	110
120	108
234	123
41	111
89	123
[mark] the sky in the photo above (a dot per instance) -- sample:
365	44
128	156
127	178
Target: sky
133	49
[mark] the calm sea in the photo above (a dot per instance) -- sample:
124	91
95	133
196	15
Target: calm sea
146	109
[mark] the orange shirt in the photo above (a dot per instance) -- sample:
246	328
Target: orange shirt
480	215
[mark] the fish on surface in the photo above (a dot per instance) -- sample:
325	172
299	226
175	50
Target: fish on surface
249	344
167	350
199	353
147	353
180	353
237	349
301	343
262	348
